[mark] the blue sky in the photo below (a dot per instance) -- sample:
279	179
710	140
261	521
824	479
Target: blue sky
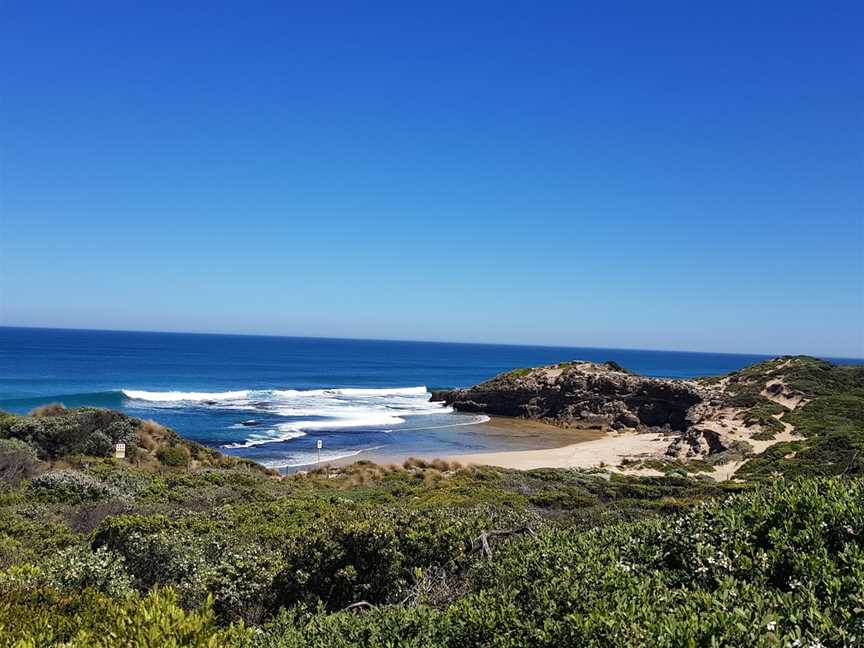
648	175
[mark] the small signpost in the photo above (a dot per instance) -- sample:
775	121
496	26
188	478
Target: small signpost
320	445
120	451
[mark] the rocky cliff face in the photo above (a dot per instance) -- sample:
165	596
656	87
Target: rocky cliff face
582	394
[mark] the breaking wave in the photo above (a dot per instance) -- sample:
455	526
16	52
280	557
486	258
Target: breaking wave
281	415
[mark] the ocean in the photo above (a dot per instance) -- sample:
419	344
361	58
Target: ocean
271	399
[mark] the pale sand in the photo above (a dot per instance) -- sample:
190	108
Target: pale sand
608	451
726	471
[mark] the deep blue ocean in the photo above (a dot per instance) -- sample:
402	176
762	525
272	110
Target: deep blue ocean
271	398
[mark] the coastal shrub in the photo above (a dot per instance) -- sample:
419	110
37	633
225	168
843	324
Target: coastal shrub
834	443
763	414
174	456
614	366
18	461
48	617
69	486
78	568
341	562
779	567
68	432
24	539
830	415
241	583
156	553
98	444
86	517
767	567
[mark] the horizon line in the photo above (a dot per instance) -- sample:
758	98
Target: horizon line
457	342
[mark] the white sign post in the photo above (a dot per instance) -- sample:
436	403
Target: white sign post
320	444
120	451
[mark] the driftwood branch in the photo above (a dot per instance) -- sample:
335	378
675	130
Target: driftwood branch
851	463
359	605
481	542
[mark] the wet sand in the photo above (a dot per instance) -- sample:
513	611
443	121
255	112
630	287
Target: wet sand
507	438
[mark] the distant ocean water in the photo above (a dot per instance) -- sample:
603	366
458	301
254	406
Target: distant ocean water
271	398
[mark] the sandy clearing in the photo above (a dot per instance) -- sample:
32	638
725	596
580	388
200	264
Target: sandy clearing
725	471
784	396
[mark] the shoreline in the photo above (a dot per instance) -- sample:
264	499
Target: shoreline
542	446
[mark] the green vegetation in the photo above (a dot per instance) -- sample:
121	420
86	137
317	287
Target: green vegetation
672	467
518	373
832	419
177	545
614	366
678	566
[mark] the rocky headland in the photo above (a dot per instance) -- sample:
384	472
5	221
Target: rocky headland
719	419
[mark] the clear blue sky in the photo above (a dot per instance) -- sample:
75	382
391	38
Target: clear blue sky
645	174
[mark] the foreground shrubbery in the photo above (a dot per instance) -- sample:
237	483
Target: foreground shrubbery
783	566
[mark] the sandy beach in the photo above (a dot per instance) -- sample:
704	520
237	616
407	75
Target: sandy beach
606	450
530	444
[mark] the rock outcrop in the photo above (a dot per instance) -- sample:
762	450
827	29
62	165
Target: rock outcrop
722	418
582	394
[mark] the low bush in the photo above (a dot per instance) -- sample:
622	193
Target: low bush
98	444
78	568
47	617
173	455
69	486
65	432
18	461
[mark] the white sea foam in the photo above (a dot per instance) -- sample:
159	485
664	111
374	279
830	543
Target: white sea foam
359	418
184	397
307	459
304	410
350	391
476	420
263	438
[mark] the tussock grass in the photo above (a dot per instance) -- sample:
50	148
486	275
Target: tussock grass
51	409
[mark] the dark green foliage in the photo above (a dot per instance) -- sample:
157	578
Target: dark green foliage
763	413
69	486
174	455
672	467
27	540
821	378
842	413
767	568
614	366
71	431
18	461
780	567
98	444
